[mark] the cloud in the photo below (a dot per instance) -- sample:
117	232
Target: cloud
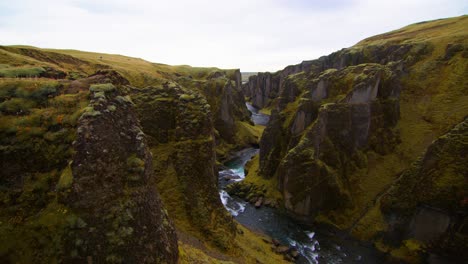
252	35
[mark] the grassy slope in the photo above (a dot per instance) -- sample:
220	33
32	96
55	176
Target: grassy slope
63	108
138	71
434	98
434	31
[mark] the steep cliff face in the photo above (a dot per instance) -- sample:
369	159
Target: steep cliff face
87	201
323	156
428	203
113	188
179	124
344	127
223	93
262	89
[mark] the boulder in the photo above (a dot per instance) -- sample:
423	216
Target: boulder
282	249
259	202
275	242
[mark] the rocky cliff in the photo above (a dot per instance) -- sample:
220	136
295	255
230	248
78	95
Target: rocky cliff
179	124
262	89
113	188
346	126
89	192
81	181
323	161
223	93
429	201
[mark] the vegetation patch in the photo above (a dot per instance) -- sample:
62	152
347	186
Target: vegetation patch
18	72
103	87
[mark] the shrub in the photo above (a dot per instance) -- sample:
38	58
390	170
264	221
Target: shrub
21	72
17	106
37	93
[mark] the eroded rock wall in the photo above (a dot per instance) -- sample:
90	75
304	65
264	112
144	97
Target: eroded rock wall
113	189
345	128
264	88
180	126
429	202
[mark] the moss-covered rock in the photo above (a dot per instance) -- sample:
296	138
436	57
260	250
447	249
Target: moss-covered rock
344	128
181	134
434	187
113	191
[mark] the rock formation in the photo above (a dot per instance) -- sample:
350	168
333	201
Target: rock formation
429	201
179	121
346	126
113	188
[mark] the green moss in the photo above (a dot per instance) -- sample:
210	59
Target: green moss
105	87
66	179
370	225
248	134
409	252
124	99
186	97
270	186
135	167
89	111
35	238
100	95
133	162
191	254
111	108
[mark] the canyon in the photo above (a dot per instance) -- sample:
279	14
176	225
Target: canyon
360	155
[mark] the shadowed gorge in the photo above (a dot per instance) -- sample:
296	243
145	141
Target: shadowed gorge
359	156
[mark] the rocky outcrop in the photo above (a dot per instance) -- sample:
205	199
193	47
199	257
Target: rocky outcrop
331	148
223	93
179	124
345	127
429	202
352	86
231	109
113	188
263	88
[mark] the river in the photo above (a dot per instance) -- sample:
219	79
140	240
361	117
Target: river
315	246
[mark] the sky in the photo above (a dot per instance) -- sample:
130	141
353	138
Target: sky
253	35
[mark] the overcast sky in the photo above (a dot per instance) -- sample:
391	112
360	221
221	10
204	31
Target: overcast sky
253	35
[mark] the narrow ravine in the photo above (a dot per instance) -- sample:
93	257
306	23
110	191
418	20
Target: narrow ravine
315	246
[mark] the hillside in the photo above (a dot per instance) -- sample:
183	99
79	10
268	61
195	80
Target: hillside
97	150
113	159
345	129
